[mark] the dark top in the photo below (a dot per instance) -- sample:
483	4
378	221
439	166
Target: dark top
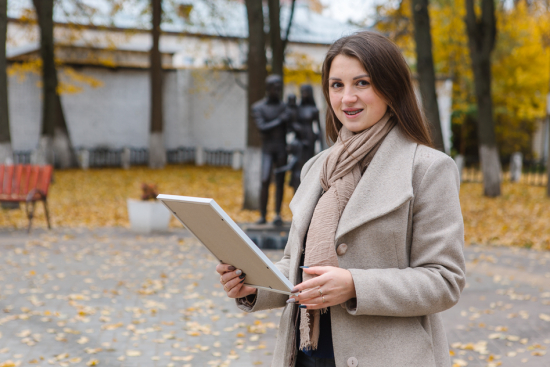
324	346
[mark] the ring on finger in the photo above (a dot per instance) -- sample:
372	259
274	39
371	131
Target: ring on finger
323	299
320	291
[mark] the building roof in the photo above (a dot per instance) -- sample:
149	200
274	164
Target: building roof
222	18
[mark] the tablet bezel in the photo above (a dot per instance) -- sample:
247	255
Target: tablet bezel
227	221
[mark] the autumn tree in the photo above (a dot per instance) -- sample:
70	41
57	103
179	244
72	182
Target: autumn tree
5	140
157	151
425	69
54	138
257	72
276	41
481	41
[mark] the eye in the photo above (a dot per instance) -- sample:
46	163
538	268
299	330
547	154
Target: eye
363	83
336	85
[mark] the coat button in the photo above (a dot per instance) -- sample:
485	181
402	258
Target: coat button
352	362
341	249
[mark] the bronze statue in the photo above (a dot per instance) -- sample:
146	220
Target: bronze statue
307	115
271	116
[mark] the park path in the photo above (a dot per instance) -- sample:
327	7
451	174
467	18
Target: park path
108	297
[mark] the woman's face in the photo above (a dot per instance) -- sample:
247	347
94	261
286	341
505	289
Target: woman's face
352	96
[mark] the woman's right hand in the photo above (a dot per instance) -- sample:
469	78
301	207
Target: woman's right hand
232	280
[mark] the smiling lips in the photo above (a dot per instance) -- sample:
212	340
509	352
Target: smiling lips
352	111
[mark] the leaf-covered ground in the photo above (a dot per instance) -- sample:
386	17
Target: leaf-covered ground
520	217
97	198
108	297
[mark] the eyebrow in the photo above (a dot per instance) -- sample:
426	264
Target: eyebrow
357	77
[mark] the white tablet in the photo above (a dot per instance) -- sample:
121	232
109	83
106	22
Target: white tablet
226	241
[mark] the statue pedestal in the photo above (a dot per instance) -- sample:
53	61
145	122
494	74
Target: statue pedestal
267	236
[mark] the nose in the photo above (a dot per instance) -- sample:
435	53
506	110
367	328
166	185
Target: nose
349	96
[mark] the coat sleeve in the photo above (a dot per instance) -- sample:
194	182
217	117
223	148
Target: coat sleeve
436	274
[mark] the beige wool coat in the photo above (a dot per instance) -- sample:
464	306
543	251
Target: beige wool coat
401	236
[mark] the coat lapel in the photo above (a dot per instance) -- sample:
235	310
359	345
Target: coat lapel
385	185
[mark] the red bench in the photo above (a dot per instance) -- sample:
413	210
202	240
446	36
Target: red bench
26	183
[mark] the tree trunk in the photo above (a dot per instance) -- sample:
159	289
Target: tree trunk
289	25
425	69
65	156
547	144
546	153
275	39
157	150
6	153
256	65
481	41
257	73
54	146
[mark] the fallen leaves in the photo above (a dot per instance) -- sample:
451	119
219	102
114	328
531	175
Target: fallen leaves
127	299
112	326
10	364
97	197
479	347
519	217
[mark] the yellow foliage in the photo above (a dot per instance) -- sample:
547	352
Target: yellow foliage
82	78
107	61
520	63
303	70
70	80
316	6
397	26
97	198
519	217
21	69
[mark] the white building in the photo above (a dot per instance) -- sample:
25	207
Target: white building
106	68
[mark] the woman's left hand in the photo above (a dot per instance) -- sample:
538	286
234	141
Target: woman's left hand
334	284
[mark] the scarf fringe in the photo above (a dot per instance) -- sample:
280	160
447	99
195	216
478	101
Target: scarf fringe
309	336
305	342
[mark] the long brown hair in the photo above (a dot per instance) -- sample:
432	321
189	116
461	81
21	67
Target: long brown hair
390	77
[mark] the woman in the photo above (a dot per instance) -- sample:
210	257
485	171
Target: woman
376	222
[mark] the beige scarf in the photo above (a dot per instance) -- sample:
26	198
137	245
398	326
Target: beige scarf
340	174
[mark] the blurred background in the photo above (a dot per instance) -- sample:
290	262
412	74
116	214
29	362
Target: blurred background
116	93
102	89
126	99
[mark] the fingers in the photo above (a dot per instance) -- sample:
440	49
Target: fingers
224	268
315	282
308	284
306	295
317	306
226	277
235	291
317	270
312	300
230	283
240	291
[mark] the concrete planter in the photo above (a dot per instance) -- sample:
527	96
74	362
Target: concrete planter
148	216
